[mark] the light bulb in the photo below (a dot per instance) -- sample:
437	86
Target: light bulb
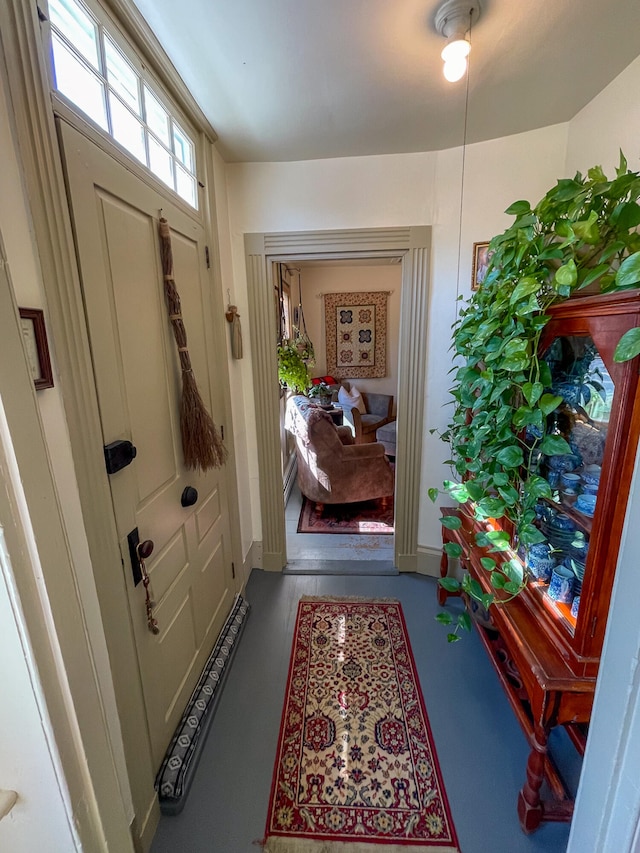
456	50
455	69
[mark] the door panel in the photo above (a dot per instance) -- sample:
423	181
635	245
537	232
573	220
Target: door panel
138	383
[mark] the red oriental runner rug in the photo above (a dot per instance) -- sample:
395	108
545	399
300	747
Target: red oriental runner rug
363	517
356	770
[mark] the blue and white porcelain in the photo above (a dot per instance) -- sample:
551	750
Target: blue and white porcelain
563	522
541	567
575	604
591	474
586	504
561	585
590	488
570	480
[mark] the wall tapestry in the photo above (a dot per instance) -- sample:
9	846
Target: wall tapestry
356	334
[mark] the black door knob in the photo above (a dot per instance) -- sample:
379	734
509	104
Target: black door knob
189	496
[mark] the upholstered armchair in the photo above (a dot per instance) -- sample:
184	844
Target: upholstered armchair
331	468
364	425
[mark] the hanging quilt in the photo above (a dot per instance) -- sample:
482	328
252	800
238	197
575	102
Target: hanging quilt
356	334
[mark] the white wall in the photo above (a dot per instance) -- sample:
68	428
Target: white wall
321	279
397	190
608	804
30	764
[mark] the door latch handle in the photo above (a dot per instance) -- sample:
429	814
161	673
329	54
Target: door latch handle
143	552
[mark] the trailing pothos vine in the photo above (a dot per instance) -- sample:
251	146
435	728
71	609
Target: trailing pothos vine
582	233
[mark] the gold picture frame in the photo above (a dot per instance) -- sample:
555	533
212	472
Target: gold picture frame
481	258
34	334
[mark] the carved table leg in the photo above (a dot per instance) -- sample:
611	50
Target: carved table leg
530	809
444	570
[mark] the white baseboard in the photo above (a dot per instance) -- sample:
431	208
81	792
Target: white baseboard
428	561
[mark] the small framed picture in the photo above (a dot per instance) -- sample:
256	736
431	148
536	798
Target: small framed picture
481	258
35	338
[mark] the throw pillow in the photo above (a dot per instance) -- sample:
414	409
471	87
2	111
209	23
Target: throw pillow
352	398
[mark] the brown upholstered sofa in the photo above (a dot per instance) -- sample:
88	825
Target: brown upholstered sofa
331	468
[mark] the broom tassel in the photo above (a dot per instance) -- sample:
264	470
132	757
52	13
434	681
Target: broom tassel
202	443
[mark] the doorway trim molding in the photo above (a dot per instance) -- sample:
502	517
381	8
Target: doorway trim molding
412	245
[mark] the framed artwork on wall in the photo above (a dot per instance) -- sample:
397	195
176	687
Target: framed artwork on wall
34	334
481	258
356	334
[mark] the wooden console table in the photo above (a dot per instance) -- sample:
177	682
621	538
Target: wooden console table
542	687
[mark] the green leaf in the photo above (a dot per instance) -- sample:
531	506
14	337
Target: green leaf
626	215
593	274
587	229
548	403
453	549
538	487
444	618
498	539
464	621
450	584
567	274
554	445
452	638
518	208
629	273
487	563
524	287
628	346
451	522
498	581
458	491
510	457
532	392
514	365
512	587
433	495
622	166
597	175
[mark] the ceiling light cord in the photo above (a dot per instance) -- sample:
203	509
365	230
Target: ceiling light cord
462	173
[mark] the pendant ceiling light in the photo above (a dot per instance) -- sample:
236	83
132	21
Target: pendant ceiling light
453	21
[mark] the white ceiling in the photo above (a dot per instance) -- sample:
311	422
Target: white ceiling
306	79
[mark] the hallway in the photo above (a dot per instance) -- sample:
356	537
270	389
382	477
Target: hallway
481	748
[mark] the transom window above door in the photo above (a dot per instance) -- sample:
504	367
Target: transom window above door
93	73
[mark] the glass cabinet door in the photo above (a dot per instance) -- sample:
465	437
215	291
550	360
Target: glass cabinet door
574	371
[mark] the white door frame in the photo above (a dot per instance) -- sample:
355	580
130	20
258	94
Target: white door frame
412	245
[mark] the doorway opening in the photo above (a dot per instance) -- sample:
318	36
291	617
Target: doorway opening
412	245
353	538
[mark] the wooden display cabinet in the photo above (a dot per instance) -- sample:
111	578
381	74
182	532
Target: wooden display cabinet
547	659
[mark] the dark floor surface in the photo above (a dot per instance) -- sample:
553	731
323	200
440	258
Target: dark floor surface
481	748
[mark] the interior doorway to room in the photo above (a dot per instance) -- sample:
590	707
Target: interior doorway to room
411	244
345	538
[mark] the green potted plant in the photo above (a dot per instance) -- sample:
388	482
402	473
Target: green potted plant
322	393
292	369
582	234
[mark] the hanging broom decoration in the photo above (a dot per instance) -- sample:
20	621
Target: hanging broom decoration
201	442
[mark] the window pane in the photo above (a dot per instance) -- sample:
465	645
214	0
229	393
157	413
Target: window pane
78	83
157	117
186	186
182	147
127	130
71	19
121	76
160	162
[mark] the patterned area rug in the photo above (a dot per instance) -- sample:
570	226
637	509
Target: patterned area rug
363	517
355	770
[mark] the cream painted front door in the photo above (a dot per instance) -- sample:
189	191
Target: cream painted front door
115	217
